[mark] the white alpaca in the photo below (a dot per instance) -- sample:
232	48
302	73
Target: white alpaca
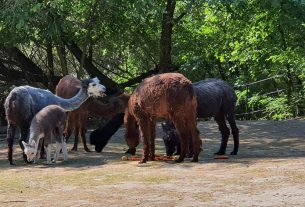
47	125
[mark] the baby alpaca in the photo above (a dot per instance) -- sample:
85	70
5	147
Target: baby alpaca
48	125
172	140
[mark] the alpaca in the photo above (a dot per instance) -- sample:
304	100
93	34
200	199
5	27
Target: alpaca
116	106
100	137
172	140
167	95
77	119
47	125
24	102
215	98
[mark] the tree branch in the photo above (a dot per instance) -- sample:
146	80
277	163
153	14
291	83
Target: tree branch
112	87
139	78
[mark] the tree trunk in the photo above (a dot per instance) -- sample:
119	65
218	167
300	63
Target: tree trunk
61	52
165	64
50	59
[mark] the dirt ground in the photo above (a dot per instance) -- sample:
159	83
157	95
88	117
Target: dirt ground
269	171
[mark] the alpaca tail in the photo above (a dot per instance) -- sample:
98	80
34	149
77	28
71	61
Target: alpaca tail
17	105
9	104
102	135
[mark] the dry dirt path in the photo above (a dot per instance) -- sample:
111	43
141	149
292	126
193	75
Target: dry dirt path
269	171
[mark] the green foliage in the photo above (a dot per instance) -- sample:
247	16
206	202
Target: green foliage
239	41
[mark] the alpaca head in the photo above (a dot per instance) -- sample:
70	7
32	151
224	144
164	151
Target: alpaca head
30	150
93	87
171	138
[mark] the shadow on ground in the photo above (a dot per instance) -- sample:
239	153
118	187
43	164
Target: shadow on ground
258	140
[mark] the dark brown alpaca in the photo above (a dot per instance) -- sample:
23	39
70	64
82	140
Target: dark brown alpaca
77	119
170	96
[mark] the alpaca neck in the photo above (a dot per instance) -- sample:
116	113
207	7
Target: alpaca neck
74	102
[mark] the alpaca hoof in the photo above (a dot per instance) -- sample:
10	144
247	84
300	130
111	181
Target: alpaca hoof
142	161
219	153
50	163
233	153
74	149
195	159
86	149
12	163
42	157
179	160
131	151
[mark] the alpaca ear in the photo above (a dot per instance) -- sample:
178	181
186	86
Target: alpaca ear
164	127
96	80
33	143
24	144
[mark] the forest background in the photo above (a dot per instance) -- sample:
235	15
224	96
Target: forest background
256	46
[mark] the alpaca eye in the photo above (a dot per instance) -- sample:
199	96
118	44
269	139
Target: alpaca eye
32	153
94	84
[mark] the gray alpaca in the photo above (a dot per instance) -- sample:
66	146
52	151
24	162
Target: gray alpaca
216	99
48	125
24	102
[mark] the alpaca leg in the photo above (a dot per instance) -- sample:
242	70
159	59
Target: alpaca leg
11	129
58	147
131	133
195	143
48	150
64	150
178	145
38	154
182	130
23	137
152	139
235	132
225	133
67	134
42	150
82	122
83	138
145	136
76	133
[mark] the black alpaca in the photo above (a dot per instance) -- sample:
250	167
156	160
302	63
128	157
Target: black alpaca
216	99
102	135
172	141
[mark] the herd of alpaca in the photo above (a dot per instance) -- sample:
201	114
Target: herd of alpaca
169	96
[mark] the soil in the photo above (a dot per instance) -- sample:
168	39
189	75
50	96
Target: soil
269	170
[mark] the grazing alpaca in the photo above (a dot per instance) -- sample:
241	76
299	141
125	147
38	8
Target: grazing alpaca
47	125
100	137
170	96
24	102
214	98
116	107
172	140
77	119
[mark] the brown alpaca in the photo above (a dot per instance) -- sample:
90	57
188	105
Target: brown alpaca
170	96
77	119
